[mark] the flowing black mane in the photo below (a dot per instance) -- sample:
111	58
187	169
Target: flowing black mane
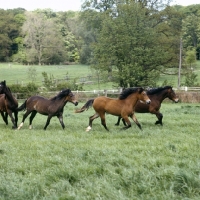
157	90
61	94
125	93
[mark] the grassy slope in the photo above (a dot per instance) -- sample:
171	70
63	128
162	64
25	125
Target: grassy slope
156	163
18	74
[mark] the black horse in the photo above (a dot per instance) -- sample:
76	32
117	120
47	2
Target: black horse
157	95
50	107
8	104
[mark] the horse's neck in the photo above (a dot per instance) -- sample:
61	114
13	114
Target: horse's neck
61	102
9	95
132	99
161	96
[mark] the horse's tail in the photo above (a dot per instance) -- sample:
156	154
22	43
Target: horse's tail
87	105
22	107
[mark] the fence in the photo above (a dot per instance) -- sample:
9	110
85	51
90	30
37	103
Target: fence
185	94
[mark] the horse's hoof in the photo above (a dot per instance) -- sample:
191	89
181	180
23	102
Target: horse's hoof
88	128
158	122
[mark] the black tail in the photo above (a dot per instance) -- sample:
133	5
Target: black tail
22	107
87	105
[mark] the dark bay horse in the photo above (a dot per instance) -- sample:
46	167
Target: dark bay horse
157	95
50	107
123	107
8	105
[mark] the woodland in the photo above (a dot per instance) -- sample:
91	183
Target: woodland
130	42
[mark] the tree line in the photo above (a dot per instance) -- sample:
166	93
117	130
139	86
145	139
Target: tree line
130	42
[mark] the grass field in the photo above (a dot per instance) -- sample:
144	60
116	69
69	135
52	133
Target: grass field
15	73
160	162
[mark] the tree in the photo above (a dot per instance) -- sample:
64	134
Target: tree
135	44
191	31
69	25
9	30
42	39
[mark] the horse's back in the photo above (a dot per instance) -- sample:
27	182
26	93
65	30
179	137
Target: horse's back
33	100
108	105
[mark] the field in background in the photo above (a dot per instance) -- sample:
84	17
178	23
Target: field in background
14	73
160	162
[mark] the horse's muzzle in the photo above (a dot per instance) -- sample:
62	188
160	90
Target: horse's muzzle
148	101
76	103
176	100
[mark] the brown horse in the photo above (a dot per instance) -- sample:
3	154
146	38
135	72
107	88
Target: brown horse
157	95
123	107
50	107
8	105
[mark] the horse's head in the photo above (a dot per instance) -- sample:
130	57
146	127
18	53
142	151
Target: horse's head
71	98
143	97
171	95
2	86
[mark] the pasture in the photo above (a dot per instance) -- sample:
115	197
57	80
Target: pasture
16	73
160	162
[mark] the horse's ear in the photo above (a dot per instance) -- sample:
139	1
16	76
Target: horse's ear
141	89
4	82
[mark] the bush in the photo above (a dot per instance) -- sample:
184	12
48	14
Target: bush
24	91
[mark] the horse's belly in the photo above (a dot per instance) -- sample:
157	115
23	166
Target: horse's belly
141	108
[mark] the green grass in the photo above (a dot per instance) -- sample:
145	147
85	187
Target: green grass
173	79
15	73
18	74
160	162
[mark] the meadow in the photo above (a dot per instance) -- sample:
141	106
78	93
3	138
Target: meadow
16	73
159	162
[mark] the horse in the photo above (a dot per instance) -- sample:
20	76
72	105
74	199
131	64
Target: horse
123	107
157	95
3	109
49	107
8	105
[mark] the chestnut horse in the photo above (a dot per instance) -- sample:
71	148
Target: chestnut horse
157	95
123	107
50	107
8	105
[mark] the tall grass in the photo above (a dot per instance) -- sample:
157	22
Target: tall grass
160	162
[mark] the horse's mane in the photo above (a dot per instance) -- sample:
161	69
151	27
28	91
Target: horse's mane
61	94
125	93
157	90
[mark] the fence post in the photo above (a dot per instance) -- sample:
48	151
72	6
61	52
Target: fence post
186	88
105	91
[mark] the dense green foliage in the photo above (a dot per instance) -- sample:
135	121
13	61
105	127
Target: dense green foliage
156	163
129	42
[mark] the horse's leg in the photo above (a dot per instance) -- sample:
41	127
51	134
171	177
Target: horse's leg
118	121
5	117
126	121
16	117
24	117
96	115
12	119
60	117
103	120
34	112
159	116
136	121
48	121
